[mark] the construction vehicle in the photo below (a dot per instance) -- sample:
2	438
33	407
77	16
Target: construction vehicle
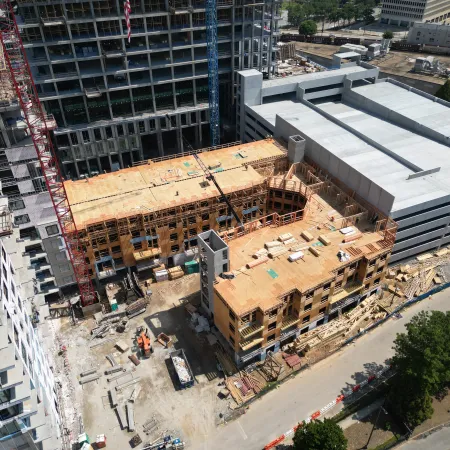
144	343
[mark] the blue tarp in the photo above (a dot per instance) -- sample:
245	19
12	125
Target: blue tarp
250	210
144	238
223	218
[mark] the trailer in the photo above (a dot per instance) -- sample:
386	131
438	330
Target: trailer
182	368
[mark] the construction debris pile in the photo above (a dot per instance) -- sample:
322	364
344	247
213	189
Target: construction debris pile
181	368
243	387
420	276
289	63
335	332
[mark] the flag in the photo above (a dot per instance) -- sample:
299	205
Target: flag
127	11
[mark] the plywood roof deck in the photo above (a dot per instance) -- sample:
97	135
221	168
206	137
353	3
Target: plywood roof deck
257	288
165	184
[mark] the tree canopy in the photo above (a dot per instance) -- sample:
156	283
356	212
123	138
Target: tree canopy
422	365
388	34
444	91
308	28
318	435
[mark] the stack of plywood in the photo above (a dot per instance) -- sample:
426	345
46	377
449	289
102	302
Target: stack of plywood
175	273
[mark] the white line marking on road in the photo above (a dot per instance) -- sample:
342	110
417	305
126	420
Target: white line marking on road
242	431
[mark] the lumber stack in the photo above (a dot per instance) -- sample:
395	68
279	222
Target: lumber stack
175	273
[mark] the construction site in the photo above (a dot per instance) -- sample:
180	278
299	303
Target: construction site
299	252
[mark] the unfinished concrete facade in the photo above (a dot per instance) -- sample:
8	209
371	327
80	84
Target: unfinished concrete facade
284	275
118	102
29	404
386	141
152	213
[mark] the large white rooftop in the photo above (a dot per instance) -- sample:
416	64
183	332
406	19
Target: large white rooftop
390	156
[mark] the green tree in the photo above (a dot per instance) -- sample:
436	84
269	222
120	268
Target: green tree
422	364
444	91
318	435
296	14
308	28
333	16
388	34
367	15
348	12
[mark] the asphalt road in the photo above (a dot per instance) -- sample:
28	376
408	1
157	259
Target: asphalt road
439	440
309	391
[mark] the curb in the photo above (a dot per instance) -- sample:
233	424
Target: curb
326	408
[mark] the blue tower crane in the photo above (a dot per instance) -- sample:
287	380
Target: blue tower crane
213	70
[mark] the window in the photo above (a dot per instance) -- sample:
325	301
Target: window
271	337
20	220
232	316
324	299
232	329
307	307
225	268
174	237
225	254
232	340
97	134
15	205
309	295
305	319
337	285
52	229
137	245
205	228
115	249
85	135
175	248
273	313
272	325
322	310
172	225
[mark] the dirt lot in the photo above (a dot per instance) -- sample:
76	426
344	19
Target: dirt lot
441	415
359	433
189	412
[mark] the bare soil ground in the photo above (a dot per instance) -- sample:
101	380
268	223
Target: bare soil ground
359	433
441	414
189	412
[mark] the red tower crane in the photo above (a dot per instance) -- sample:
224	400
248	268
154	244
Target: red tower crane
38	126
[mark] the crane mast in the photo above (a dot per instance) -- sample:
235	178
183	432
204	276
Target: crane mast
22	80
213	71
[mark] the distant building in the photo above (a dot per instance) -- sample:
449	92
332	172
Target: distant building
386	141
404	13
429	34
29	414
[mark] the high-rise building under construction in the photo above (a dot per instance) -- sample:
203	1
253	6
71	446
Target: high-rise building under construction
118	99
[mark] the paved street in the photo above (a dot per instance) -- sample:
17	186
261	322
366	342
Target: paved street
293	401
439	440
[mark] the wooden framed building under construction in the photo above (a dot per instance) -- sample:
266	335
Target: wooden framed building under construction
293	270
152	213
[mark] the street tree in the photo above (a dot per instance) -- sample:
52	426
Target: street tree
444	91
422	365
296	14
367	15
308	28
388	34
318	435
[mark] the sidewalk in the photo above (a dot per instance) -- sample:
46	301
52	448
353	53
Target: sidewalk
361	414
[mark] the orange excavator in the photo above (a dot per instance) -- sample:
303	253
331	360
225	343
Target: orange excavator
144	343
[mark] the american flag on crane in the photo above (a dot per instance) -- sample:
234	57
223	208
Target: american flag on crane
127	11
